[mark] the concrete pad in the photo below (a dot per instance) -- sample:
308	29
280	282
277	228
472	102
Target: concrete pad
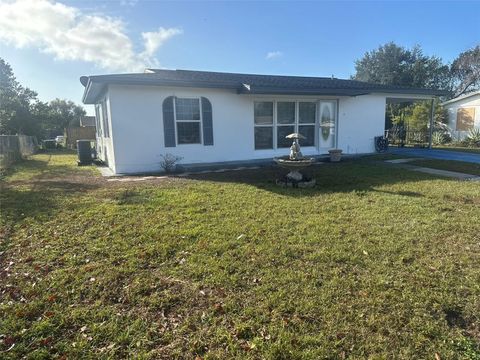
143	178
105	171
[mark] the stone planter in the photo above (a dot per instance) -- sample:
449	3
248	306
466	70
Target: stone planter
335	155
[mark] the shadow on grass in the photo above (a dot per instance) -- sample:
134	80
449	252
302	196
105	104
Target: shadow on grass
37	187
361	175
30	169
38	199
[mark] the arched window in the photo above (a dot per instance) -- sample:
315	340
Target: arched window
187	121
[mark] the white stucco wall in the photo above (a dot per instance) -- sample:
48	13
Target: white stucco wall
360	119
138	139
452	110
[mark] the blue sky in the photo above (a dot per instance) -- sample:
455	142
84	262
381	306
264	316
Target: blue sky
51	44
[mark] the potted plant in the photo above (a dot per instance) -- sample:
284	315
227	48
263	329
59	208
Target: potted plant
335	155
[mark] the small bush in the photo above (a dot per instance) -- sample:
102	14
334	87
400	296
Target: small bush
169	162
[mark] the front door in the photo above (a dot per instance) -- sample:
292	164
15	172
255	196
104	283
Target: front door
327	125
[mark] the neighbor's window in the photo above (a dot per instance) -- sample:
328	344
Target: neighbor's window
465	119
263	115
188	119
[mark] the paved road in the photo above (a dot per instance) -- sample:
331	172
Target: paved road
437	154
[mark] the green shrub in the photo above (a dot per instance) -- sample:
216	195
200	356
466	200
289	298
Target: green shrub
473	138
438	138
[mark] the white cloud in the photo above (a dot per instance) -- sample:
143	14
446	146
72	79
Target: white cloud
154	39
130	3
69	34
273	55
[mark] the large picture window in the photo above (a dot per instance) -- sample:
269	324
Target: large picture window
285	122
188	121
263	117
307	113
271	127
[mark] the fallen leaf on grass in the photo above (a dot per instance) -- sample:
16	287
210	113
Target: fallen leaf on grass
46	341
219	308
9	341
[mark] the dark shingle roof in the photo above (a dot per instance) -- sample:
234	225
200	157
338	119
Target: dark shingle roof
252	83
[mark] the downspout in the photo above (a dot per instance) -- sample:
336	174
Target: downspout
430	132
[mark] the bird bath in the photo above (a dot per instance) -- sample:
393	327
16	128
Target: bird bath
295	162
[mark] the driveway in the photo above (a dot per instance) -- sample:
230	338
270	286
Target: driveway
437	154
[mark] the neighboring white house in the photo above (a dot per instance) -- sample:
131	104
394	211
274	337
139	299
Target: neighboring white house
463	114
212	118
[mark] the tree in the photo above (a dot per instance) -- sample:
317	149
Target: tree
391	64
465	71
417	116
65	113
15	102
22	113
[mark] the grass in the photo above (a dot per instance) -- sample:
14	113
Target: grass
375	262
458	166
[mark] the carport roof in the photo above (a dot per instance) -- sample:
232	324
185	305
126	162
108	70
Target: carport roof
245	84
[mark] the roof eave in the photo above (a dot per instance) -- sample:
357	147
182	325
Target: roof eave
461	97
300	91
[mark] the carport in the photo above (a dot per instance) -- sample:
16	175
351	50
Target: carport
416	99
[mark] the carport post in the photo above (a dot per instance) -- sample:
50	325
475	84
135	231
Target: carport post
430	131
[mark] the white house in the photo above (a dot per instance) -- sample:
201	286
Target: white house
220	118
463	114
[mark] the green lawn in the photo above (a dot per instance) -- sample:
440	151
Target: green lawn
458	166
375	262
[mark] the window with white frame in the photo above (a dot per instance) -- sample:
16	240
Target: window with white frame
188	120
271	127
106	129
98	118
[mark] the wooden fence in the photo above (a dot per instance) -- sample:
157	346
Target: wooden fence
78	133
15	147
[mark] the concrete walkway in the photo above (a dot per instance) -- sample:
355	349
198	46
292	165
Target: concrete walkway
451	174
437	154
446	173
